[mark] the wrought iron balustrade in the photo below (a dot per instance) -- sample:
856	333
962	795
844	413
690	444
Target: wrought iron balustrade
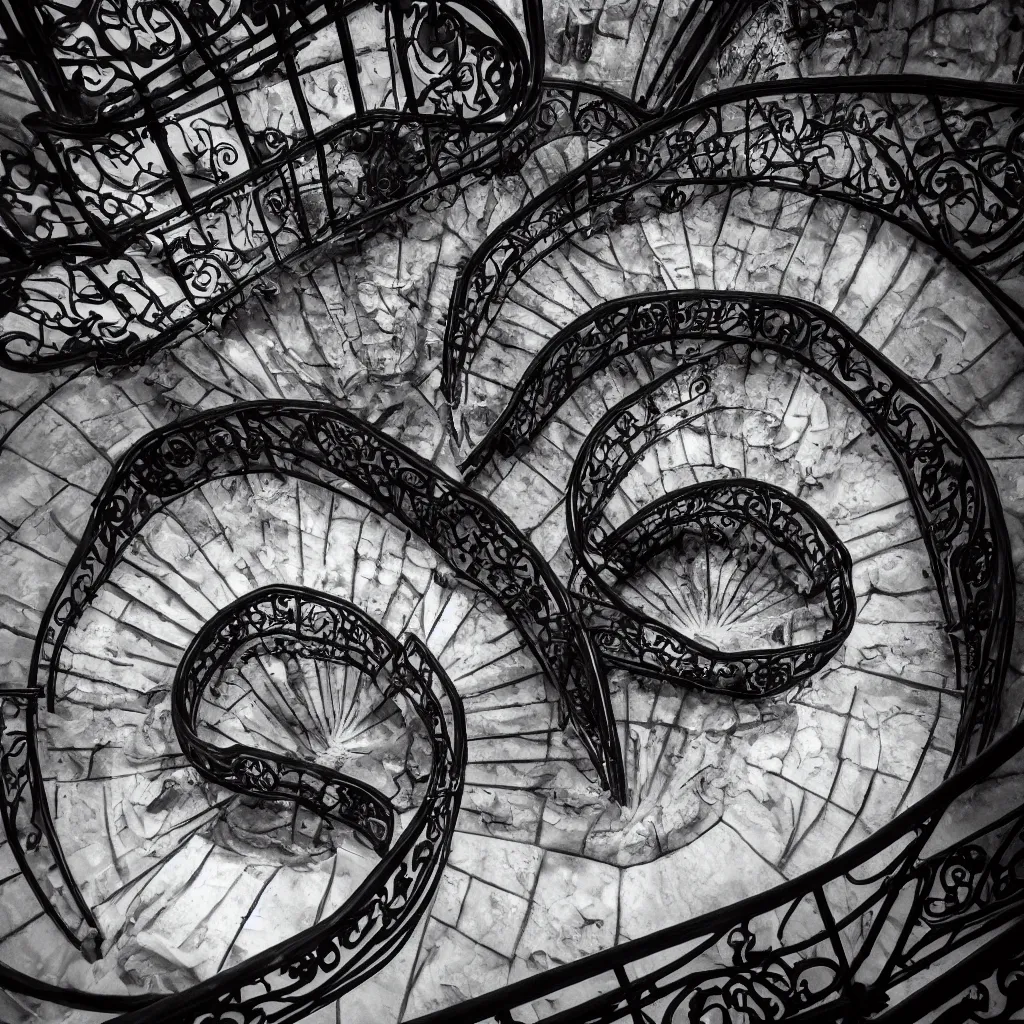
717	511
156	213
943	160
112	245
99	303
832	946
315	442
280	621
948	480
294	977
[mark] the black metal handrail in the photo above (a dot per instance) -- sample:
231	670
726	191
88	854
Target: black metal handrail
941	899
697	35
243	157
950	484
827	137
143	247
196	299
190	48
301	622
316	442
631	639
890	915
296	976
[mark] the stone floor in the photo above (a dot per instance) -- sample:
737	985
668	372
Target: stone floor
726	798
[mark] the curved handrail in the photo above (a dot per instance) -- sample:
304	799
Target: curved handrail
917	824
171	73
948	480
277	617
690	147
314	440
150	221
954	895
632	639
298	975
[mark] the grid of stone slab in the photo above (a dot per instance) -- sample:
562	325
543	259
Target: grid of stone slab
733	796
727	798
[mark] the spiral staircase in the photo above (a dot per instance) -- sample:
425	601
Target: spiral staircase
561	565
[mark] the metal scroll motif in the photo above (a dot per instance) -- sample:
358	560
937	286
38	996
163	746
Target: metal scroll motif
284	620
944	160
111	246
293	978
314	441
136	220
719	512
949	482
334	955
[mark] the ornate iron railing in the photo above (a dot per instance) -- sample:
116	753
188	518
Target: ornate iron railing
294	977
112	247
315	442
146	215
160	197
940	159
717	511
276	621
123	307
727	964
947	479
835	945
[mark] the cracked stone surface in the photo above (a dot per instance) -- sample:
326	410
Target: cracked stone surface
727	798
543	867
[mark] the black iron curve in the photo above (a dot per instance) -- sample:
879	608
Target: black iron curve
948	480
317	442
861	141
831	945
275	620
715	509
296	976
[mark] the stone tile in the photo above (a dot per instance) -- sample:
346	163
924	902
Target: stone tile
451	969
493	917
574	910
451	891
718	867
512	866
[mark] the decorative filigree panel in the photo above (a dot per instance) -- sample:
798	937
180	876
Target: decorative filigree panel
300	717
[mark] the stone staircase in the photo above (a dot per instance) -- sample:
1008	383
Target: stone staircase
186	878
